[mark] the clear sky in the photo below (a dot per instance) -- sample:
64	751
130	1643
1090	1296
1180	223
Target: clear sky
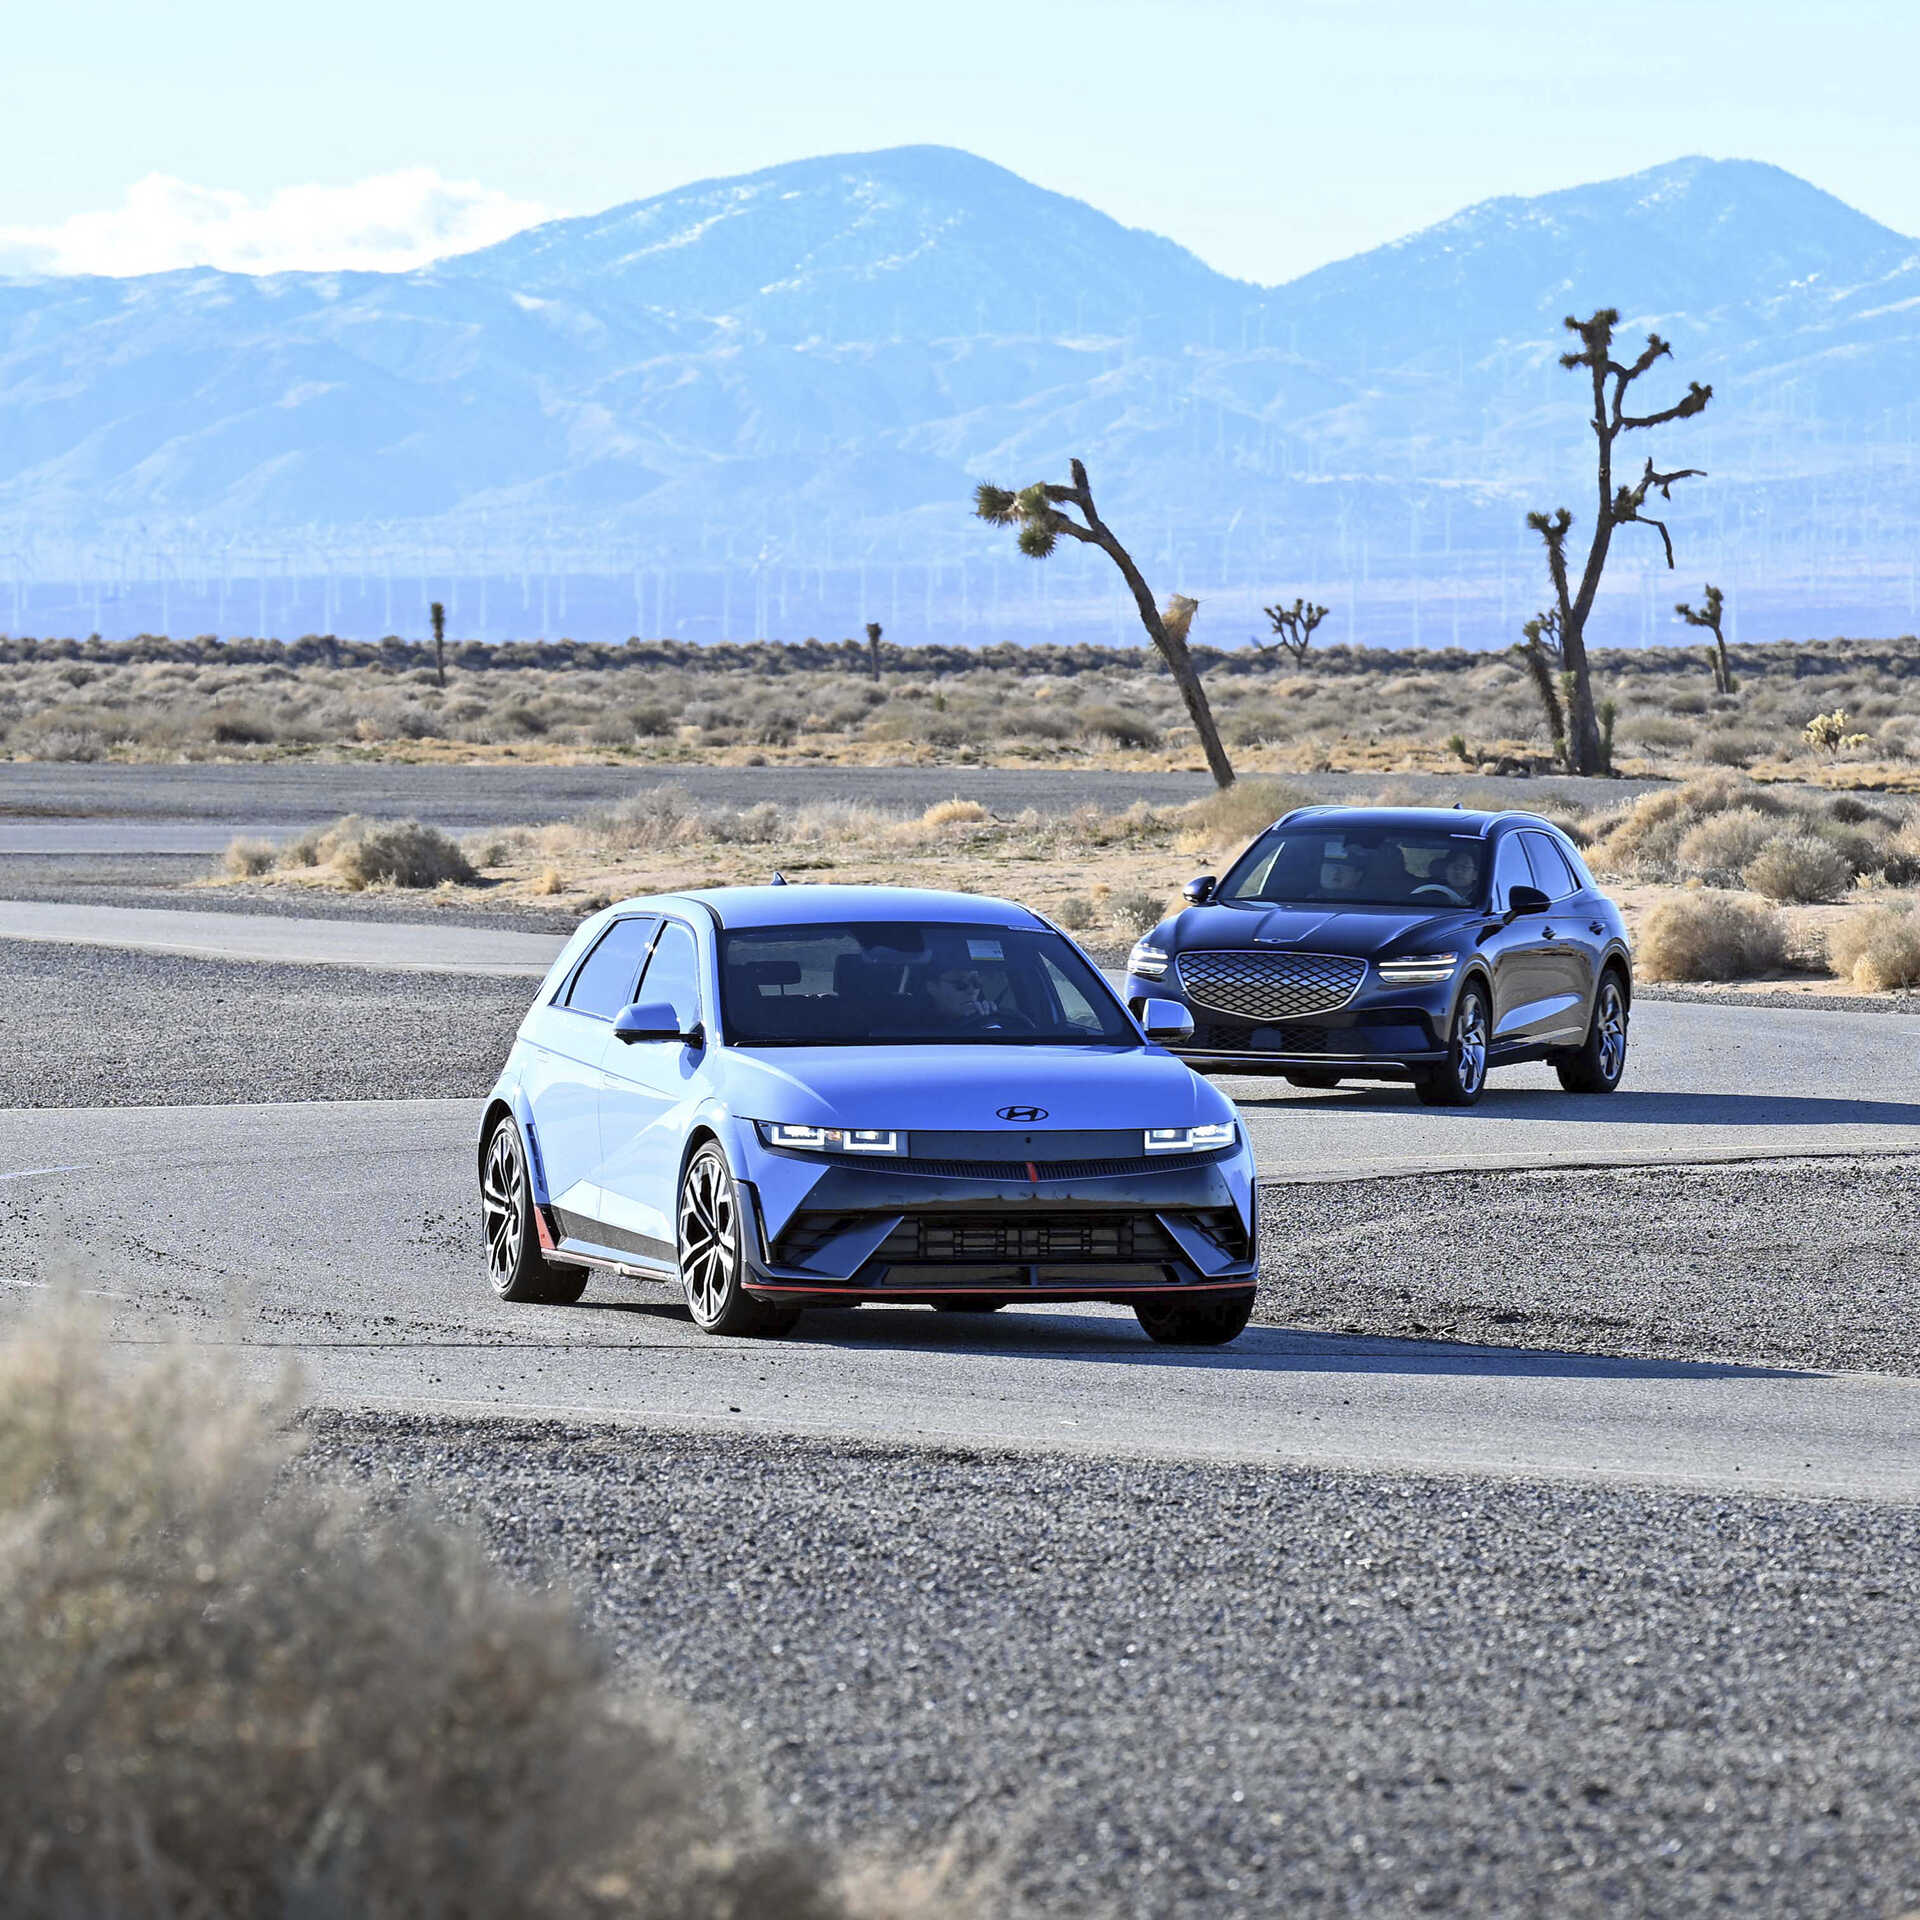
1268	138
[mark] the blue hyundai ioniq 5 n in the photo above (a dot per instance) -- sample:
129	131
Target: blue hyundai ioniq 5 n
786	1097
1421	944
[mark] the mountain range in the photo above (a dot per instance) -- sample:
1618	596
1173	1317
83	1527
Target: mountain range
758	406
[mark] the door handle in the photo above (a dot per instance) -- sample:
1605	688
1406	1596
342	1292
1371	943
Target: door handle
1594	926
1546	933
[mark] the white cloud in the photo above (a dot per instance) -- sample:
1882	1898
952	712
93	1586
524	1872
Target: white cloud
388	223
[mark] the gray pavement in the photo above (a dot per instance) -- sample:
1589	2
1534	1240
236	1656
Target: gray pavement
341	1235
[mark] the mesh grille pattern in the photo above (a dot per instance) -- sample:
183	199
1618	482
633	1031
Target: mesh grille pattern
1221	1037
1270	986
934	1240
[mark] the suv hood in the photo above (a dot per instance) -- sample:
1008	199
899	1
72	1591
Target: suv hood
1363	931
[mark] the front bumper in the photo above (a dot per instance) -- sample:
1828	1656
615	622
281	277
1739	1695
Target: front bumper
1386	1033
897	1232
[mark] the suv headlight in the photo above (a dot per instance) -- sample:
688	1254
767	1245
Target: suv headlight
1202	1139
1415	969
1146	960
779	1133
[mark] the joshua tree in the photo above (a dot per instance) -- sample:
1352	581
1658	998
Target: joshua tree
438	614
1707	615
1037	512
1293	626
1555	648
873	647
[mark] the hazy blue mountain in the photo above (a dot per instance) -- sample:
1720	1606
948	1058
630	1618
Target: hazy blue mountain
758	405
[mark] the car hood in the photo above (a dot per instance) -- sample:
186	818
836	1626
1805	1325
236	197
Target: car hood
1355	930
961	1088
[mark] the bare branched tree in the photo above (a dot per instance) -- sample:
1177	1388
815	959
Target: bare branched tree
873	647
1293	626
1038	513
1709	614
1555	650
438	614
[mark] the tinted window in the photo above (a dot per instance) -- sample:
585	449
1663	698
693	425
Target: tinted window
604	983
879	984
1550	872
673	975
1362	864
1510	870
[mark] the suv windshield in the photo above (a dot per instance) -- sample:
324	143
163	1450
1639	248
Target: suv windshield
1325	864
869	983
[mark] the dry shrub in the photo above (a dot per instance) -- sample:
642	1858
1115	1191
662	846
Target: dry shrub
548	881
1721	847
1132	910
1645	840
1709	935
228	1690
1878	948
955	813
1122	728
1074	912
1248	807
398	853
1799	867
240	727
246	859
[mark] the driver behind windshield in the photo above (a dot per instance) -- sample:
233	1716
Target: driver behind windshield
956	1001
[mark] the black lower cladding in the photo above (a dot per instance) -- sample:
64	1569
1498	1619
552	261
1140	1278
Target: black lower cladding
1405	1036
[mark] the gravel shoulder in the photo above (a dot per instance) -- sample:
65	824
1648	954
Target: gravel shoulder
1156	1690
1781	1262
95	1027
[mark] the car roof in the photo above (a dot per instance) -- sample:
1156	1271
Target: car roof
786	906
1466	820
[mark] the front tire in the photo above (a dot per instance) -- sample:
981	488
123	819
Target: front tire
515	1266
1461	1079
1195	1323
712	1255
1596	1065
1319	1082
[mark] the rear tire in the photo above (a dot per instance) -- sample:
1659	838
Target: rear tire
1319	1082
515	1265
713	1257
1596	1065
1195	1323
1461	1080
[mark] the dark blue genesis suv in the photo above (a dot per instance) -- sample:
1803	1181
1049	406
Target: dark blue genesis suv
1374	943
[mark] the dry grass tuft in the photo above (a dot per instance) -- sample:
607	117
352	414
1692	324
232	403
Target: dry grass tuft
955	813
1709	935
1798	868
1877	948
1236	813
247	859
226	1690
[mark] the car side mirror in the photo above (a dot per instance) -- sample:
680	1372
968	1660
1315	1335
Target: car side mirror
1526	900
1166	1021
654	1020
1200	890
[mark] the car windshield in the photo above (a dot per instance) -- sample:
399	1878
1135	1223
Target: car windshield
912	984
1326	864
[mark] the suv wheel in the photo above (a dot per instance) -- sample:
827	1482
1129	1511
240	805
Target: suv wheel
515	1264
1595	1066
712	1259
1195	1323
1462	1077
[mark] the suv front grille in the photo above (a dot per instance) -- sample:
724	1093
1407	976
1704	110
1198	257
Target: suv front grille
1221	1036
1269	986
966	1239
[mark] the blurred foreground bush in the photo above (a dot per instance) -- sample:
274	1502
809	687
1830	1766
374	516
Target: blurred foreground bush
227	1691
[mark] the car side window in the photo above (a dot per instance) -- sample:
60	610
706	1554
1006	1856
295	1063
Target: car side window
1551	873
673	975
603	982
1510	870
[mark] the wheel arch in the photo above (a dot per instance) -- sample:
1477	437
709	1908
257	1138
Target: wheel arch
1618	962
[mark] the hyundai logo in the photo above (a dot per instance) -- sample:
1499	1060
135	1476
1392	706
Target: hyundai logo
1021	1113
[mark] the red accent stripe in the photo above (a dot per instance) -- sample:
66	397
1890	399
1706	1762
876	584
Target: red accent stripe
547	1241
1033	1173
1013	1292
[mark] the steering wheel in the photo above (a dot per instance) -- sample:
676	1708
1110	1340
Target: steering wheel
1446	892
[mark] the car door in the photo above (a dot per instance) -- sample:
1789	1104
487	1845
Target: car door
648	1092
1524	986
563	1076
1568	955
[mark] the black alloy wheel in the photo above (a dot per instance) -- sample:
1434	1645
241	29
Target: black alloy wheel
1595	1066
1462	1076
712	1256
515	1265
1208	1322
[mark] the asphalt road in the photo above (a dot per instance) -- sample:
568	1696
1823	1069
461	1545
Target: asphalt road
342	1235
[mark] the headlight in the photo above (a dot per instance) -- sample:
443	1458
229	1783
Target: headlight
1149	962
777	1133
1216	1133
1412	969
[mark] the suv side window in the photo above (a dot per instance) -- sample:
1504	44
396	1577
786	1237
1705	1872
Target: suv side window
673	975
603	982
1510	870
1551	874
